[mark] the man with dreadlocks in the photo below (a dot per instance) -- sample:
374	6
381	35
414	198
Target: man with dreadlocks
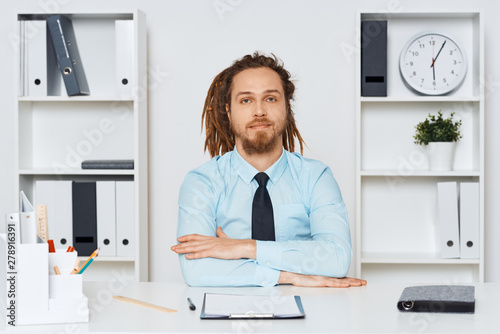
296	230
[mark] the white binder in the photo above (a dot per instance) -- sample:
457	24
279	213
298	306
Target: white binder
125	213
106	218
124	56
28	220
57	195
469	220
36	48
448	219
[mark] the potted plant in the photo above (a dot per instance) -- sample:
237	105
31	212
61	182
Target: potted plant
439	136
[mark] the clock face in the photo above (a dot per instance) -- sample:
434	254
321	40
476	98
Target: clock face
432	64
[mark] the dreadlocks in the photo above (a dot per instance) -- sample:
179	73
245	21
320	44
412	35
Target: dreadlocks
219	136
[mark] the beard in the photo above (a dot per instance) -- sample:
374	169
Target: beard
263	141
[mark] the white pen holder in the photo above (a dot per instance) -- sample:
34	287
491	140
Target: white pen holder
44	297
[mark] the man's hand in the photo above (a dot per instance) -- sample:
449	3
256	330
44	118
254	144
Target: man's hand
197	246
318	281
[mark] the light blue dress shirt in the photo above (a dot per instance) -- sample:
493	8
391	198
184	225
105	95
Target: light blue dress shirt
310	218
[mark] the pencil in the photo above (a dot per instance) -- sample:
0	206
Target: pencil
89	261
76	267
141	303
56	270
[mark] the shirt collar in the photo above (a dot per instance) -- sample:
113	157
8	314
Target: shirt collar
247	171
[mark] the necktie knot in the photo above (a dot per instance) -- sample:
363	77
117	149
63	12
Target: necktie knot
261	178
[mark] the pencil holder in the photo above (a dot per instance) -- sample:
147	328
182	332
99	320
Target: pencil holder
65	261
41	296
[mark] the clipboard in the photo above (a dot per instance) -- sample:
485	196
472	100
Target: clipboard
231	306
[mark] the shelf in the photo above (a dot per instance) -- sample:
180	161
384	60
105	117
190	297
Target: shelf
50	171
414	258
89	98
421	99
420	173
108	259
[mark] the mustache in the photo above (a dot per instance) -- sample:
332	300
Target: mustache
259	122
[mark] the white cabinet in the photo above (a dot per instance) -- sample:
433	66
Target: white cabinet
396	224
55	133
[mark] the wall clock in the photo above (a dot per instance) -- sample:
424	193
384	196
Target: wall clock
432	63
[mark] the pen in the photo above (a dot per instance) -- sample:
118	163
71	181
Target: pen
191	305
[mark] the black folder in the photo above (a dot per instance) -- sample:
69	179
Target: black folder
438	299
63	39
84	217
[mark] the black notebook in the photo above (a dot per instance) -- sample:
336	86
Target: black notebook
438	299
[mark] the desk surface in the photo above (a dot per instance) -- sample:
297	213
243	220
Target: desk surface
369	309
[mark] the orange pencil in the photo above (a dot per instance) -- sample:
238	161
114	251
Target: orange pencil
70	249
52	249
89	261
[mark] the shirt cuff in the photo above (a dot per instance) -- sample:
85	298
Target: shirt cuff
266	276
268	254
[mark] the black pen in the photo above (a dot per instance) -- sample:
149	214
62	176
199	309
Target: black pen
191	305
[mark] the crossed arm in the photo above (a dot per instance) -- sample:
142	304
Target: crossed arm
196	246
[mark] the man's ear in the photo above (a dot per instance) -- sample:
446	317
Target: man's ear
228	112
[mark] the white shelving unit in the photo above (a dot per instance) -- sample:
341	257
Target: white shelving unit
55	133
396	223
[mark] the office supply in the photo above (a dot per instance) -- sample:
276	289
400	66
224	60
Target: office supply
125	213
84	217
192	307
57	196
89	261
28	220
437	299
448	219
108	164
65	47
76	267
52	249
56	270
145	304
63	260
22	59
36	52
469	220
229	306
70	249
106	217
42	224
124	57
374	58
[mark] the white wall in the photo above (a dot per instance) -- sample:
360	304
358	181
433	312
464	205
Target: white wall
191	41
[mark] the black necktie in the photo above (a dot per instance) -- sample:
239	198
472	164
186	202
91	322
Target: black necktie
262	211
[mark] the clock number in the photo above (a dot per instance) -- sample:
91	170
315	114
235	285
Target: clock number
415	54
411	63
434	83
451	52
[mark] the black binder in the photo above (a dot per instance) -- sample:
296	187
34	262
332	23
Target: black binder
63	39
84	217
438	299
374	58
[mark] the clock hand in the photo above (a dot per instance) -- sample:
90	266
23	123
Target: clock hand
434	60
433	70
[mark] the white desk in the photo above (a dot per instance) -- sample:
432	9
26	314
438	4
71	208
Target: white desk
369	309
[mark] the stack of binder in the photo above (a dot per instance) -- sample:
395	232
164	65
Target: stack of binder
458	215
90	215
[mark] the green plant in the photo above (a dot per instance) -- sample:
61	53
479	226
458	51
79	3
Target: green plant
437	129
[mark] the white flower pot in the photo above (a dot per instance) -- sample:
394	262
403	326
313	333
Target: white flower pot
441	155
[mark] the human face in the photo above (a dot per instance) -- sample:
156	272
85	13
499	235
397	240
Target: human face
258	111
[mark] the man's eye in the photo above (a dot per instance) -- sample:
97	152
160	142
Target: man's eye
271	99
245	101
